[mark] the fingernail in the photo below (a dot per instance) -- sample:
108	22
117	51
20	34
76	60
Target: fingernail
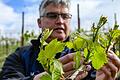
88	67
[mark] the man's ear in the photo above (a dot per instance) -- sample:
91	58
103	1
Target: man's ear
39	22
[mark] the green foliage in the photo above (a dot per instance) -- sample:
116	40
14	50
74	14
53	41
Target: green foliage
99	57
115	34
7	46
28	36
77	59
46	33
49	52
47	56
78	43
95	46
92	47
57	71
45	77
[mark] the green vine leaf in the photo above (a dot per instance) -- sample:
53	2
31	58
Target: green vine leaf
69	45
46	77
86	53
103	40
46	33
57	71
99	57
77	59
47	55
53	48
115	34
102	21
42	58
78	43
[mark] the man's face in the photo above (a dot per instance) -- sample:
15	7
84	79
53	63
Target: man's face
53	20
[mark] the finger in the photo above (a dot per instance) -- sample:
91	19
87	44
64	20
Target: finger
106	70
69	66
113	57
81	75
38	76
88	67
99	72
113	69
69	73
107	73
100	75
67	58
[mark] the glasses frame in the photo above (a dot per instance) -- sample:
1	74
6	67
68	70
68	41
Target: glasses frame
55	15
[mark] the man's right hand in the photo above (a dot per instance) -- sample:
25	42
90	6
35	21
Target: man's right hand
68	66
37	77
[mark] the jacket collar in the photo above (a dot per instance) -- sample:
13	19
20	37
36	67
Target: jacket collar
36	42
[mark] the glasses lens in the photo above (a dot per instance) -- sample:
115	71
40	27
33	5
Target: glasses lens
66	16
52	15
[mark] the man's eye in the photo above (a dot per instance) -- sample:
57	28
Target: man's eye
65	16
52	16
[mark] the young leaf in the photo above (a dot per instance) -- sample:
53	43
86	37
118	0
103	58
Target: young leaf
86	53
69	45
102	21
46	77
99	57
46	33
42	58
115	34
103	40
46	56
57	70
78	43
77	59
53	48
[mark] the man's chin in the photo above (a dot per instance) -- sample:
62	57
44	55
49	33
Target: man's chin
61	38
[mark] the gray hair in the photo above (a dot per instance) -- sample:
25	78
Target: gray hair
45	3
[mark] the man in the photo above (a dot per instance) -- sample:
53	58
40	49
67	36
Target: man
54	14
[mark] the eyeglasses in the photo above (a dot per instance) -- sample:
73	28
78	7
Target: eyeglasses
53	15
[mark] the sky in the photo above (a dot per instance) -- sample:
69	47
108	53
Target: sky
90	12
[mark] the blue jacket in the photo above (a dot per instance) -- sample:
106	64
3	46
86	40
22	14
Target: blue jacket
22	64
